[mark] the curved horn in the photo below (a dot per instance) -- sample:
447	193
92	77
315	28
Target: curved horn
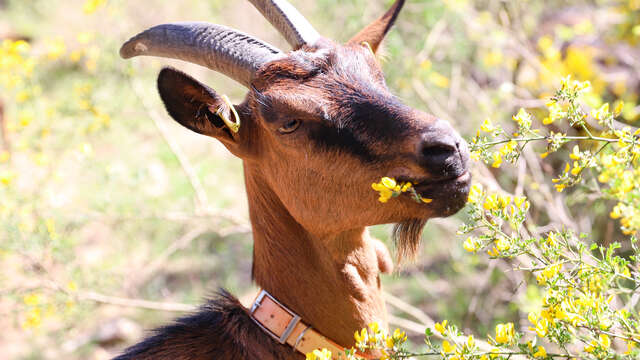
216	47
288	21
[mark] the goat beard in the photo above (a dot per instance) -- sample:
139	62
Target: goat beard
406	237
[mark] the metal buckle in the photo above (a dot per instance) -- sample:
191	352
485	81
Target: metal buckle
295	319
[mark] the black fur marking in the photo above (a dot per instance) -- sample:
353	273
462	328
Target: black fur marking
220	330
328	137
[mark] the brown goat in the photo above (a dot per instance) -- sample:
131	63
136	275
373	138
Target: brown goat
317	128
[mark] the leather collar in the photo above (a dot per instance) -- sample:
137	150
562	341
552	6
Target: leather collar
286	327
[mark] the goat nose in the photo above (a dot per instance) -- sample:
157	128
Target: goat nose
440	155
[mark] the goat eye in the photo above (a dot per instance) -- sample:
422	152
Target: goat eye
289	127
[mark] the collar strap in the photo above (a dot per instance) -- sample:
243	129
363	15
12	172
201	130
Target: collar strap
286	327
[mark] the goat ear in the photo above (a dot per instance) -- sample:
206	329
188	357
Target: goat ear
196	106
375	32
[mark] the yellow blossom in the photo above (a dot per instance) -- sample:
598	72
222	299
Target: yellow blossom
91	6
601	113
493	252
323	354
441	327
6	178
471	342
523	118
491	202
22	96
604	340
508	147
575	154
361	337
555	113
33	319
502	245
4	156
470	245
32	299
448	347
497	160
438	79
541	352
618	108
504	333
475	193
487	126
56	48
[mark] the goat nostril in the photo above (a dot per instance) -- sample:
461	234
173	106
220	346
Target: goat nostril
437	151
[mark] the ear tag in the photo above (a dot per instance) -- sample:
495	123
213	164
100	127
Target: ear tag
368	46
234	126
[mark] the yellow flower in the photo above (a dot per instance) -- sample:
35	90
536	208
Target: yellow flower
491	202
25	119
508	147
475	193
555	113
618	108
33	319
22	96
361	337
523	118
487	126
520	201
56	48
470	245
32	299
398	337
85	37
471	342
497	160
540	353
493	252
503	245
6	178
604	340
601	113
375	328
441	327
575	154
4	156
91	6
438	79
560	187
447	347
504	333
542	327
323	354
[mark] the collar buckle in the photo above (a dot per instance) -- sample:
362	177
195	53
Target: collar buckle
295	319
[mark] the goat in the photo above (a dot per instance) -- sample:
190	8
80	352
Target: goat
317	127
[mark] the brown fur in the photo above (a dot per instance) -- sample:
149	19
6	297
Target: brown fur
309	191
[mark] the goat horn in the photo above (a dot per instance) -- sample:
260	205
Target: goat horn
288	21
216	47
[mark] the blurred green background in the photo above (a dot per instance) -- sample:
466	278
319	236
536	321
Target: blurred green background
105	202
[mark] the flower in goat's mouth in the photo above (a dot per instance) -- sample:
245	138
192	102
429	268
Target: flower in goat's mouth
389	188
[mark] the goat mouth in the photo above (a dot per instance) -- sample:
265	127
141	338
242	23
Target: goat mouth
448	188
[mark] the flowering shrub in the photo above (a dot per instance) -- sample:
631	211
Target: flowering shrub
589	308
